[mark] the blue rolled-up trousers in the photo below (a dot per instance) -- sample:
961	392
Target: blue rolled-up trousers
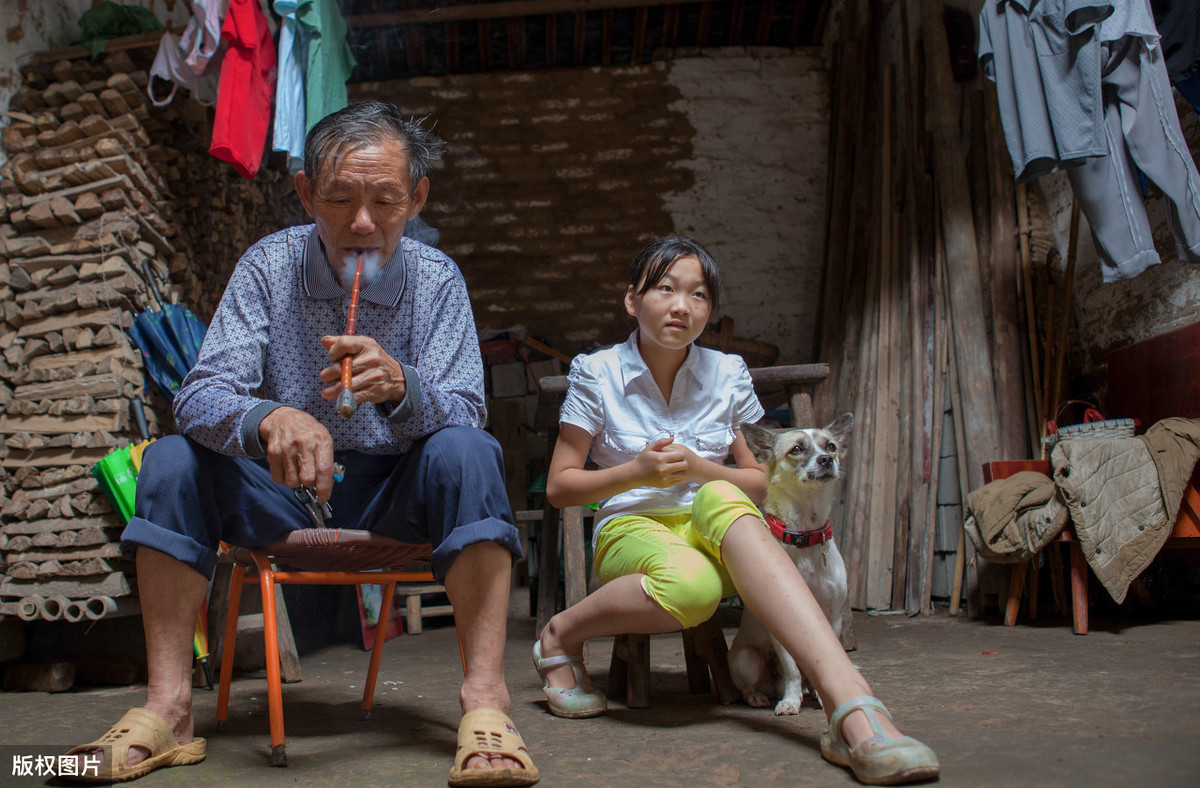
446	491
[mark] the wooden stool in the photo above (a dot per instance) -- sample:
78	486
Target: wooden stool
414	613
704	651
1002	469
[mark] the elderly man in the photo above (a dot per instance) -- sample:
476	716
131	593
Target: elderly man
258	421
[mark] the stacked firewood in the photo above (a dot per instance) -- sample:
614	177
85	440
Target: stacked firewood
930	318
104	200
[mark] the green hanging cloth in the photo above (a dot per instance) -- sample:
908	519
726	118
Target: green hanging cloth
111	20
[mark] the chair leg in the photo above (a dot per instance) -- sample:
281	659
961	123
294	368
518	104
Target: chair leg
618	667
237	578
385	612
638	693
1016	587
1034	576
629	670
266	581
693	659
707	654
1079	588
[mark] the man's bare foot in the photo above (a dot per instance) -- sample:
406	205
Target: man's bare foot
181	725
471	698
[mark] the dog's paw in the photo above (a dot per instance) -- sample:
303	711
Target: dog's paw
757	700
787	707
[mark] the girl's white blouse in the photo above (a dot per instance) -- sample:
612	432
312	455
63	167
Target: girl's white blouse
612	395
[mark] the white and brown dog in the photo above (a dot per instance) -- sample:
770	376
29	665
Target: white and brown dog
803	466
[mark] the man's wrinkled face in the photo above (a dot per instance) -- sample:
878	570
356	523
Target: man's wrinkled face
361	202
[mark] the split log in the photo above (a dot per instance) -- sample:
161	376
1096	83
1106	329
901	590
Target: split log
109	550
121	353
84	568
113	584
41	215
94	318
92	105
64	211
45	458
54	425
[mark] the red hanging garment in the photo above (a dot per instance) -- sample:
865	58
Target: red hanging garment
243	112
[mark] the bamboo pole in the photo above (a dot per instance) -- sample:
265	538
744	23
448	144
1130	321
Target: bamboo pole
1026	274
938	383
1064	329
970	335
1007	353
883	498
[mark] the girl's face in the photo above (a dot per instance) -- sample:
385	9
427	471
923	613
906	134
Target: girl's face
675	310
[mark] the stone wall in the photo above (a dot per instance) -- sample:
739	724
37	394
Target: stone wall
554	180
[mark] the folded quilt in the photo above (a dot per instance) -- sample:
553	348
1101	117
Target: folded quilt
1010	519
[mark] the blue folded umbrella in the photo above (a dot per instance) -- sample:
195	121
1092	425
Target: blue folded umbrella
169	339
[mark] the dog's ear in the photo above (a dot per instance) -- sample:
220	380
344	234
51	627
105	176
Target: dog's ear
840	429
760	440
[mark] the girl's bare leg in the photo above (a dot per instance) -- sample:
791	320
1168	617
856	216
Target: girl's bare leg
617	607
764	575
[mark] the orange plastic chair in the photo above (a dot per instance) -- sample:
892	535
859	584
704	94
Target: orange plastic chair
318	556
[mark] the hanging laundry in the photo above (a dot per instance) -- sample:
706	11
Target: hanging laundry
202	38
289	89
108	20
193	60
1046	66
1083	86
1143	132
330	61
247	88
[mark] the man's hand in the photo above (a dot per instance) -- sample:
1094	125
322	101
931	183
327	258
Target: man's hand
299	450
377	377
662	463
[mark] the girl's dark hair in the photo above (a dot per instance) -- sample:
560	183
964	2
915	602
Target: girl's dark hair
652	263
367	123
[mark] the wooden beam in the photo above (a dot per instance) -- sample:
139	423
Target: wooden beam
975	371
736	18
580	42
551	41
606	21
502	10
639	35
795	37
766	16
148	39
516	42
485	44
704	25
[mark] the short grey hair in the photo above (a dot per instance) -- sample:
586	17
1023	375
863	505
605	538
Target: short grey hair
366	123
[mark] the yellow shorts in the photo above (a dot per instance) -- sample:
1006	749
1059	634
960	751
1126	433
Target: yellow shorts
680	554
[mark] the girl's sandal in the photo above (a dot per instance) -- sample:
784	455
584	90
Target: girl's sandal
582	700
881	759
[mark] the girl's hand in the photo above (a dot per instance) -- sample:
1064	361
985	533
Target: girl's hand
662	463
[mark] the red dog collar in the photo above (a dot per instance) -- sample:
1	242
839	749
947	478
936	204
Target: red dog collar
798	538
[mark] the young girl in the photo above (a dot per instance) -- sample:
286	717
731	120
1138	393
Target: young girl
678	529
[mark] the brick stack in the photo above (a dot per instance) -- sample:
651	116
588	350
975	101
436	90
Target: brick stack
101	188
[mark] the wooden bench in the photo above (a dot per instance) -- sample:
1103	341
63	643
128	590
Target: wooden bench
414	611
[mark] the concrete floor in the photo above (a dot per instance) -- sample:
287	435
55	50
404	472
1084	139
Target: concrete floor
1030	705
